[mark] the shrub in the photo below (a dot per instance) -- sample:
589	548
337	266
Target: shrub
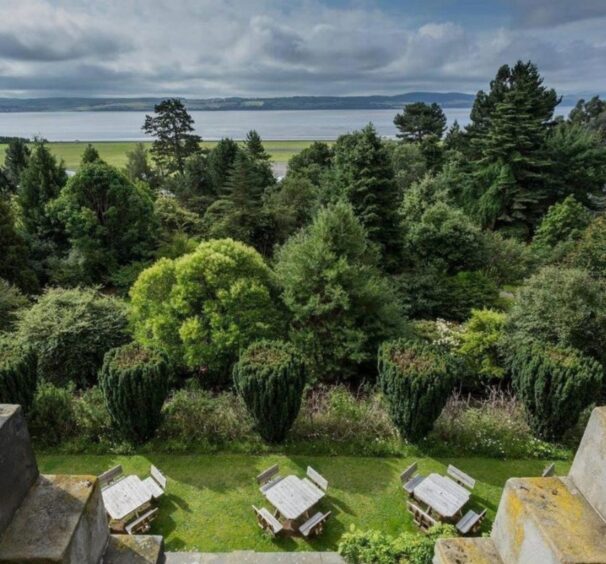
52	419
202	308
564	221
18	376
467	291
588	253
508	261
11	302
70	331
135	383
417	379
375	547
555	384
481	341
270	377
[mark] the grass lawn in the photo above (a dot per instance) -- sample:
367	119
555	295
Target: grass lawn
114	152
208	504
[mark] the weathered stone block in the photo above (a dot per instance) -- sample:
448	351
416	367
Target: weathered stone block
134	549
466	551
18	468
545	520
588	470
61	520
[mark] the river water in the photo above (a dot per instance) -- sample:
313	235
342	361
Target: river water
271	125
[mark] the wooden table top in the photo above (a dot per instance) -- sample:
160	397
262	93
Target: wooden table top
293	496
442	494
125	497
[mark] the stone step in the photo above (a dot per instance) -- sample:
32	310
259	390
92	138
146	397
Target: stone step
134	549
547	520
61	519
466	551
251	557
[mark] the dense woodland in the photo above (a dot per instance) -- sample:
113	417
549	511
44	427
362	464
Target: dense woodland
447	260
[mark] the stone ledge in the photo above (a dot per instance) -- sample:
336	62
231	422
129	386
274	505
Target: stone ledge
546	520
62	519
466	551
133	549
251	557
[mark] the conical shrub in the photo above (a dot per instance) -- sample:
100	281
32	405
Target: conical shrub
18	374
270	377
135	383
417	379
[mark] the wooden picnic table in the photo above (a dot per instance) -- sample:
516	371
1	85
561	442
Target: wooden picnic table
293	497
442	495
125	497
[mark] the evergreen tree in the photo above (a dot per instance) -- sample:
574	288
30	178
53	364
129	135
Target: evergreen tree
138	167
90	155
312	162
364	177
220	162
270	377
260	158
135	383
419	121
172	127
15	160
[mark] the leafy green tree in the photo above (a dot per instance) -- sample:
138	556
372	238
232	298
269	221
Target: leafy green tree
172	127
138	168
564	307
70	331
555	385
135	384
591	114
41	182
18	376
14	253
409	164
312	162
270	377
90	155
364	177
481	341
588	252
204	307
15	160
508	260
563	222
12	301
419	120
417	380
109	220
174	218
341	306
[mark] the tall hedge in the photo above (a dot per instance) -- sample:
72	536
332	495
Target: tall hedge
270	377
555	384
417	379
18	376
135	383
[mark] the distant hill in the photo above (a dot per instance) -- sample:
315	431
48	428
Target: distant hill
447	100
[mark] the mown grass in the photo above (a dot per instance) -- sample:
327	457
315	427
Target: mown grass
114	152
208	505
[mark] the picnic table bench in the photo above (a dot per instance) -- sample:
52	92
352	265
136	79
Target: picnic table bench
314	525
267	521
125	497
442	495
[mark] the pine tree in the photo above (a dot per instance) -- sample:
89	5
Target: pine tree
90	155
15	160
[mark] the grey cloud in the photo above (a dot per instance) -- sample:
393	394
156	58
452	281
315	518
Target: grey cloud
542	13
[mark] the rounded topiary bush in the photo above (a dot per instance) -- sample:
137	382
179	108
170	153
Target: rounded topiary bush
417	379
135	383
555	384
18	376
270	377
70	331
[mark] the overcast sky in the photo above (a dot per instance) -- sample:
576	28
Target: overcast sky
204	48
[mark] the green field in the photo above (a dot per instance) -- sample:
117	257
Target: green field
114	152
209	497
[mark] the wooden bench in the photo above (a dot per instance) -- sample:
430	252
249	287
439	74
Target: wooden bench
470	522
315	525
155	483
409	480
317	478
268	474
267	521
142	523
423	519
460	477
111	475
549	471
